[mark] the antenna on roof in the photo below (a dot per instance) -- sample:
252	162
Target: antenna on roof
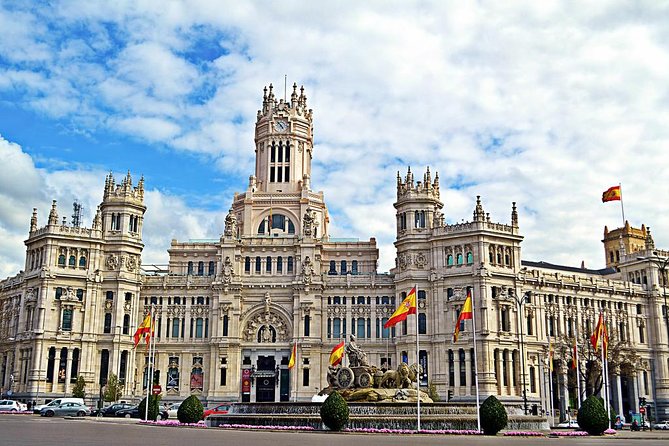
285	86
76	216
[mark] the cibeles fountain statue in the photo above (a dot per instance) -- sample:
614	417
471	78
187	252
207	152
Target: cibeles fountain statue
360	381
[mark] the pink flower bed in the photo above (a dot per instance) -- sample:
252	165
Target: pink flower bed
569	434
372	430
279	428
172	423
523	434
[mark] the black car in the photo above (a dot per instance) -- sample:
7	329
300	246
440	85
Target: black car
133	412
110	411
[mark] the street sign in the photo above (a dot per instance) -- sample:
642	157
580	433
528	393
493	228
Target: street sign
157	389
642	410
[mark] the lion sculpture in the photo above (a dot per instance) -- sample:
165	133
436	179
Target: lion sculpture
396	379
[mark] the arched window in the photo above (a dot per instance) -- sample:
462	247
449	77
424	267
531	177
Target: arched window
59	292
200	268
499	258
354	267
279	264
247	264
611	256
61	260
343	267
491	257
449	260
268	264
82	262
290	264
459	258
109	295
258	263
212	268
507	259
80	294
190	268
470	258
177	300
333	268
72	261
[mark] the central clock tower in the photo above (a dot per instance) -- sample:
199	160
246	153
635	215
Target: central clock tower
284	143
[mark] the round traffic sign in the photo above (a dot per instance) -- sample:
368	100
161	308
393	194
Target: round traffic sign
156	389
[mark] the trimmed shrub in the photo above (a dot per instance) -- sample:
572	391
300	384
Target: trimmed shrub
592	416
493	416
154	410
334	412
191	410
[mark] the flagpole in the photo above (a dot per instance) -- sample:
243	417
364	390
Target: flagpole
149	375
605	380
578	369
417	362
550	380
296	367
622	208
476	370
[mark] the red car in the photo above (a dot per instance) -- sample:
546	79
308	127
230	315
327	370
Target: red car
218	410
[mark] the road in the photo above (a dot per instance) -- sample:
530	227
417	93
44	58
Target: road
28	430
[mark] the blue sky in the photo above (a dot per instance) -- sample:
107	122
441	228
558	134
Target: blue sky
542	103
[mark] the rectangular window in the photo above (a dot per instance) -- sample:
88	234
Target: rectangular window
226	320
67	320
279	174
175	328
336	328
286	176
224	376
305	377
307	325
360	329
199	327
271	174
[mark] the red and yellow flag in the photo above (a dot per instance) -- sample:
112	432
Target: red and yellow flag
574	358
293	357
465	313
600	333
337	353
612	194
407	307
145	329
550	355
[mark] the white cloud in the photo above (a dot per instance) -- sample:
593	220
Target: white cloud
574	97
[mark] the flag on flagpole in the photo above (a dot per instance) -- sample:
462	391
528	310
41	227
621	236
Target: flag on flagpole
337	353
144	329
574	359
550	355
407	307
612	194
465	313
293	357
600	334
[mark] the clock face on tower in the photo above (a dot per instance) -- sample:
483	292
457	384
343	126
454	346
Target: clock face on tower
280	126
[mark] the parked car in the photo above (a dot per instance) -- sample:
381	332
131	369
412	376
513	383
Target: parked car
218	410
65	409
172	411
110	411
11	406
133	412
664	425
569	424
57	402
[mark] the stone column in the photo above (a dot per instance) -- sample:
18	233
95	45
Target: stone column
68	370
456	362
468	374
564	399
619	392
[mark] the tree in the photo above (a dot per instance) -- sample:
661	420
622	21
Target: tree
79	389
114	389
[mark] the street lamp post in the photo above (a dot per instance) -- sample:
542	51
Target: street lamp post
521	341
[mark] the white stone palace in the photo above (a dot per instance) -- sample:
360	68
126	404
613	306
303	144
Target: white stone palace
229	310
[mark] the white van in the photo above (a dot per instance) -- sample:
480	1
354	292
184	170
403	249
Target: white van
57	402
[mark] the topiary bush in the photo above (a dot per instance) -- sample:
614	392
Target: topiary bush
493	416
154	410
334	412
191	410
592	416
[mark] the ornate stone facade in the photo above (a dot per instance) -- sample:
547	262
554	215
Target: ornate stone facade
230	309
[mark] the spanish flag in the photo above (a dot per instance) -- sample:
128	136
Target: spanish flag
574	358
550	355
293	357
145	329
612	194
337	353
407	307
465	313
600	333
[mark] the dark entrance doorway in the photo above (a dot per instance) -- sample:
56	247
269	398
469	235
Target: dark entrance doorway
265	377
